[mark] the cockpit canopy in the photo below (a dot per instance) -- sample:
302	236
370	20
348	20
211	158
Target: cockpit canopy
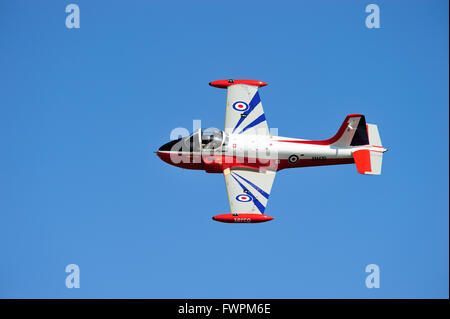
209	139
212	138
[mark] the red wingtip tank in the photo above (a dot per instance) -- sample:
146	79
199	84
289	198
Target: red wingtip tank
223	84
242	218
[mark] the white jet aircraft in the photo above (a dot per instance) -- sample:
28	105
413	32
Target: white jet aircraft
249	156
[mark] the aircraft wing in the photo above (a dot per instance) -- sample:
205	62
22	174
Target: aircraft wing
248	190
244	112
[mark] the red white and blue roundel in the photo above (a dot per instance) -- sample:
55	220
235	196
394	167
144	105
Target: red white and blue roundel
243	198
240	106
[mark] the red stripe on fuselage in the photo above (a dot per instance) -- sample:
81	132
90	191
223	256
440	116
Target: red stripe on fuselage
218	163
329	141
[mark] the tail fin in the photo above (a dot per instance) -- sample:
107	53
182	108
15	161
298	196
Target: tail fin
367	161
353	132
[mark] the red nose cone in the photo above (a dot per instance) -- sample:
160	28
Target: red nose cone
164	156
242	218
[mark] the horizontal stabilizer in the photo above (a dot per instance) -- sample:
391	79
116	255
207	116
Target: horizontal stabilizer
374	135
368	162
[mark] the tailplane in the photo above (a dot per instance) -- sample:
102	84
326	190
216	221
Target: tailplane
368	161
374	135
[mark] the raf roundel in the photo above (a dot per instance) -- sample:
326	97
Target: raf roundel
240	106
243	198
293	159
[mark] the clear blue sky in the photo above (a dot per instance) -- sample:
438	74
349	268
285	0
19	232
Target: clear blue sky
82	111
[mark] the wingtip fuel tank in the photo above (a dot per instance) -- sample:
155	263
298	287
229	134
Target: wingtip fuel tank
242	218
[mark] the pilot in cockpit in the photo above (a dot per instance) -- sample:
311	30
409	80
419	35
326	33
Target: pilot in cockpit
212	139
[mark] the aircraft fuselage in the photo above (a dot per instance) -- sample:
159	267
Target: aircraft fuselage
259	152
